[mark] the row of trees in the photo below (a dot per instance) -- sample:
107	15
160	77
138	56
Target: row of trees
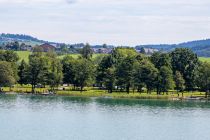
124	70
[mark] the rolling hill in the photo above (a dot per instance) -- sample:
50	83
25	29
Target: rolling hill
200	47
29	40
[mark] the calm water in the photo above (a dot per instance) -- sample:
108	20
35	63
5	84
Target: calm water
74	118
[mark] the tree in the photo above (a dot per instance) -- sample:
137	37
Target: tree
69	70
87	52
137	76
124	72
160	59
23	73
109	79
165	80
119	53
146	74
186	62
203	77
38	69
64	49
9	56
102	68
142	50
6	74
179	81
84	73
54	74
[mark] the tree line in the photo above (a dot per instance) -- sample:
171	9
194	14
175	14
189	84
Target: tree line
122	70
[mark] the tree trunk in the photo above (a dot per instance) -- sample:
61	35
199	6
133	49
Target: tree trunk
128	88
81	88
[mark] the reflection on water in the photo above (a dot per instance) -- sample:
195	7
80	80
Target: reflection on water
153	103
30	117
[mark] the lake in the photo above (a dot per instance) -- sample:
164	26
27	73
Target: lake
76	118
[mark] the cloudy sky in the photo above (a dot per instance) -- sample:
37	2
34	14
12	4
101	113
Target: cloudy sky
118	22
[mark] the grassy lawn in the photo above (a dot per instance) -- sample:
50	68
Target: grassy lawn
103	93
204	59
23	55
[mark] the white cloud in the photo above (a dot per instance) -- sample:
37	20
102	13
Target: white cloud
36	1
108	21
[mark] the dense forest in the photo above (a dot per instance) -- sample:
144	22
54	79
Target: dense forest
123	70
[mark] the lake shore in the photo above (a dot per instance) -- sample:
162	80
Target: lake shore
105	94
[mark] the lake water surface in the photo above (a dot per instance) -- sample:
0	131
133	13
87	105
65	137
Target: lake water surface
77	118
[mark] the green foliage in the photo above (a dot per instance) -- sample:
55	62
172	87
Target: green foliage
124	72
148	74
203	77
185	61
7	77
84	72
87	52
9	56
102	68
160	59
23	73
165	80
179	81
69	70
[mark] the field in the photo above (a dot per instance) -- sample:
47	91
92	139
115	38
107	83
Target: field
24	55
204	59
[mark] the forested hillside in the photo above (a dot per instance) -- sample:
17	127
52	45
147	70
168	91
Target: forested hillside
200	47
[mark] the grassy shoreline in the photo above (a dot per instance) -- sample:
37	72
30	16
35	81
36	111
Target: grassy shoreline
103	93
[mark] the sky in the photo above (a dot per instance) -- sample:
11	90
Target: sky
116	22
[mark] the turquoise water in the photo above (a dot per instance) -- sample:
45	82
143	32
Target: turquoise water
75	118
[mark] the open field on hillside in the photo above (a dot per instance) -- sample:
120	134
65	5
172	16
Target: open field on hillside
204	59
25	54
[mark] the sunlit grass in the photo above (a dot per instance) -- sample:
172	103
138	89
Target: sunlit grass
204	59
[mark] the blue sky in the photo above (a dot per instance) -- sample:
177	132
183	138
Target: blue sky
118	22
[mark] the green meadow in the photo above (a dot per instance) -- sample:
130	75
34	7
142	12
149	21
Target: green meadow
204	59
24	55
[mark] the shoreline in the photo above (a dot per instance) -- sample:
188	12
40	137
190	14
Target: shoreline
117	96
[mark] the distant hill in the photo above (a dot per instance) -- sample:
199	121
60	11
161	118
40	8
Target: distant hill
29	40
200	47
